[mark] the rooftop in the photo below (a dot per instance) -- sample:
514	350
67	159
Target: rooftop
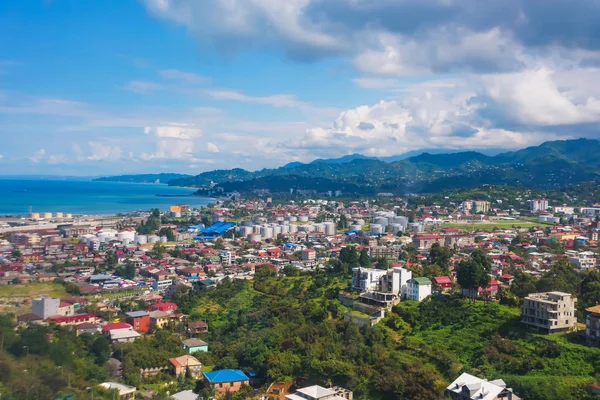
226	375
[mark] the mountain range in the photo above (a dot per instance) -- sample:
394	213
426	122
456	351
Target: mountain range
549	165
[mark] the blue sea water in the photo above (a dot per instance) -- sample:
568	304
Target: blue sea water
89	197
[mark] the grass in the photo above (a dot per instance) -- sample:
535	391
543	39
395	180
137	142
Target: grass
501	224
33	290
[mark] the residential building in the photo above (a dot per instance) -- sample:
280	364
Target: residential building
481	206
582	259
73	319
197	327
442	283
549	311
165	307
317	392
193	345
309	254
389	252
161	285
592	325
180	365
226	380
139	320
87	327
45	307
424	242
123	335
538	205
470	387
418	289
126	392
159	318
26	319
65	309
184	395
367	279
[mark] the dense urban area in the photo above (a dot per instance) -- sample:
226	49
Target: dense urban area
490	293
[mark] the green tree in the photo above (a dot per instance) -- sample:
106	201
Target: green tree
168	232
364	259
441	256
101	350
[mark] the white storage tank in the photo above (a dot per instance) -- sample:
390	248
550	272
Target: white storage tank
330	228
141	239
359	221
60	215
279	219
285	228
303	218
255	238
69	216
163	239
320	227
276	230
383	221
306	228
293	228
267	232
376	228
355	227
47	215
397	228
293	219
153	239
246	230
257	229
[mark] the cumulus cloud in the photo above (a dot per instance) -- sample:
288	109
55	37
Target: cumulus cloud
173	131
100	151
38	156
212	148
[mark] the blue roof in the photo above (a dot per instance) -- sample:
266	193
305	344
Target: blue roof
218	229
137	314
225	375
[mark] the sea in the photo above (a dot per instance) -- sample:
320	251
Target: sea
21	196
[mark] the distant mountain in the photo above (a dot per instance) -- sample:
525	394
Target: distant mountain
144	178
549	165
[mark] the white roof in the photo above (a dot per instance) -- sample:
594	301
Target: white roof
313	392
479	389
185	395
123	389
124	333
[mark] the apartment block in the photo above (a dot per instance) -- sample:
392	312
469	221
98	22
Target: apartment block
549	312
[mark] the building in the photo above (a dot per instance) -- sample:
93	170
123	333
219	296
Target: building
185	395
442	282
592	325
139	320
126	392
538	205
481	206
582	259
424	242
367	279
198	327
45	307
549	312
164	307
309	255
180	366
418	289
65	309
226	380
317	392
123	335
469	387
73	319
389	252
193	345
161	285
159	319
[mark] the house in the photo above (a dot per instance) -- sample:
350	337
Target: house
226	380
45	307
418	289
26	319
367	279
309	254
185	395
65	309
426	241
117	325
442	283
198	327
180	365
139	320
87	327
317	392
164	307
469	387
124	335
193	345
126	392
549	312
592	325
159	319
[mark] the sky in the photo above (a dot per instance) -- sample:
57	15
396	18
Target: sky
143	86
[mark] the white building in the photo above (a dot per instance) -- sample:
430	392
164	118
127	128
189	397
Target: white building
45	307
161	284
418	289
537	205
582	259
317	392
549	311
226	257
469	387
367	279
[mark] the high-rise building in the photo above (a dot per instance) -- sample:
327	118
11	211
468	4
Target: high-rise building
549	312
45	307
538	205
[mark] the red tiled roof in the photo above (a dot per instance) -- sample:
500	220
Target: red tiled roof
117	325
440	280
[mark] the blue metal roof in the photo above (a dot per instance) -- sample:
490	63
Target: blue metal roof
226	375
217	229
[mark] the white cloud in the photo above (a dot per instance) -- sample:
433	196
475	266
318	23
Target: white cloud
278	100
1	156
100	151
173	131
171	149
188	77
142	87
38	156
212	148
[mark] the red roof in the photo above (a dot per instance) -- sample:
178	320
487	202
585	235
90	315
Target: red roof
71	318
428	237
117	325
506	276
442	280
309	250
64	304
163	307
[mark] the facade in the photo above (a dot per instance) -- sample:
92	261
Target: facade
126	392
226	380
139	320
180	366
389	252
45	307
65	309
193	345
424	242
159	318
469	387
549	312
582	259
309	255
317	392
161	285
592	325
418	289
367	279
538	205
481	206
198	327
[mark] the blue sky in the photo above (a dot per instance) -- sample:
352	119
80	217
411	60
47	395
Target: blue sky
127	86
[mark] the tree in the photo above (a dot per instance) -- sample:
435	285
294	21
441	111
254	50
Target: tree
16	253
168	232
110	260
473	273
349	255
364	259
101	350
441	256
157	251
342	222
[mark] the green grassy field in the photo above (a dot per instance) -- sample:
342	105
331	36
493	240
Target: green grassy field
502	224
33	290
